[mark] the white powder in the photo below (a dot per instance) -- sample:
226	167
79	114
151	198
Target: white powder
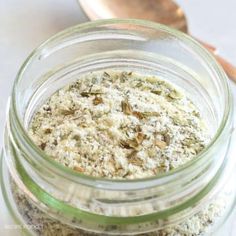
119	125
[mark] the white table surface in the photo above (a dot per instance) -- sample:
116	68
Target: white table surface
24	24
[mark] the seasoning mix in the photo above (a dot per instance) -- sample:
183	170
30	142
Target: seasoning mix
118	124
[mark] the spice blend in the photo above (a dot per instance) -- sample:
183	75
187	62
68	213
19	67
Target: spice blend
119	125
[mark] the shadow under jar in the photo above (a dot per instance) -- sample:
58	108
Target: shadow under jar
46	198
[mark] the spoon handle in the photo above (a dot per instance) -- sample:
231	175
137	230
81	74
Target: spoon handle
227	66
206	45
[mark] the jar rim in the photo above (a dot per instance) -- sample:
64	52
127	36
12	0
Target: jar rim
91	180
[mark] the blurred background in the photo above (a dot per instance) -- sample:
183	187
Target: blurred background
25	24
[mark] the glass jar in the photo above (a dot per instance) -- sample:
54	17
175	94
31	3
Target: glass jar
47	198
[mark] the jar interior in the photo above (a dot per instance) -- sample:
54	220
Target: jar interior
126	46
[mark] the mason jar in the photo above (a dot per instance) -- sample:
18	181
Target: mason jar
46	198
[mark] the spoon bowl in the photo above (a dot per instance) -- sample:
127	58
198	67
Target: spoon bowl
163	11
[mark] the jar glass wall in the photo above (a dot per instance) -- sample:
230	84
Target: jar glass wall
200	191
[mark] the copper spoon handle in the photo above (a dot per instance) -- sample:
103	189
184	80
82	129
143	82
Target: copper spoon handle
227	66
206	45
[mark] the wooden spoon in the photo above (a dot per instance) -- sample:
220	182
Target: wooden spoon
162	11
